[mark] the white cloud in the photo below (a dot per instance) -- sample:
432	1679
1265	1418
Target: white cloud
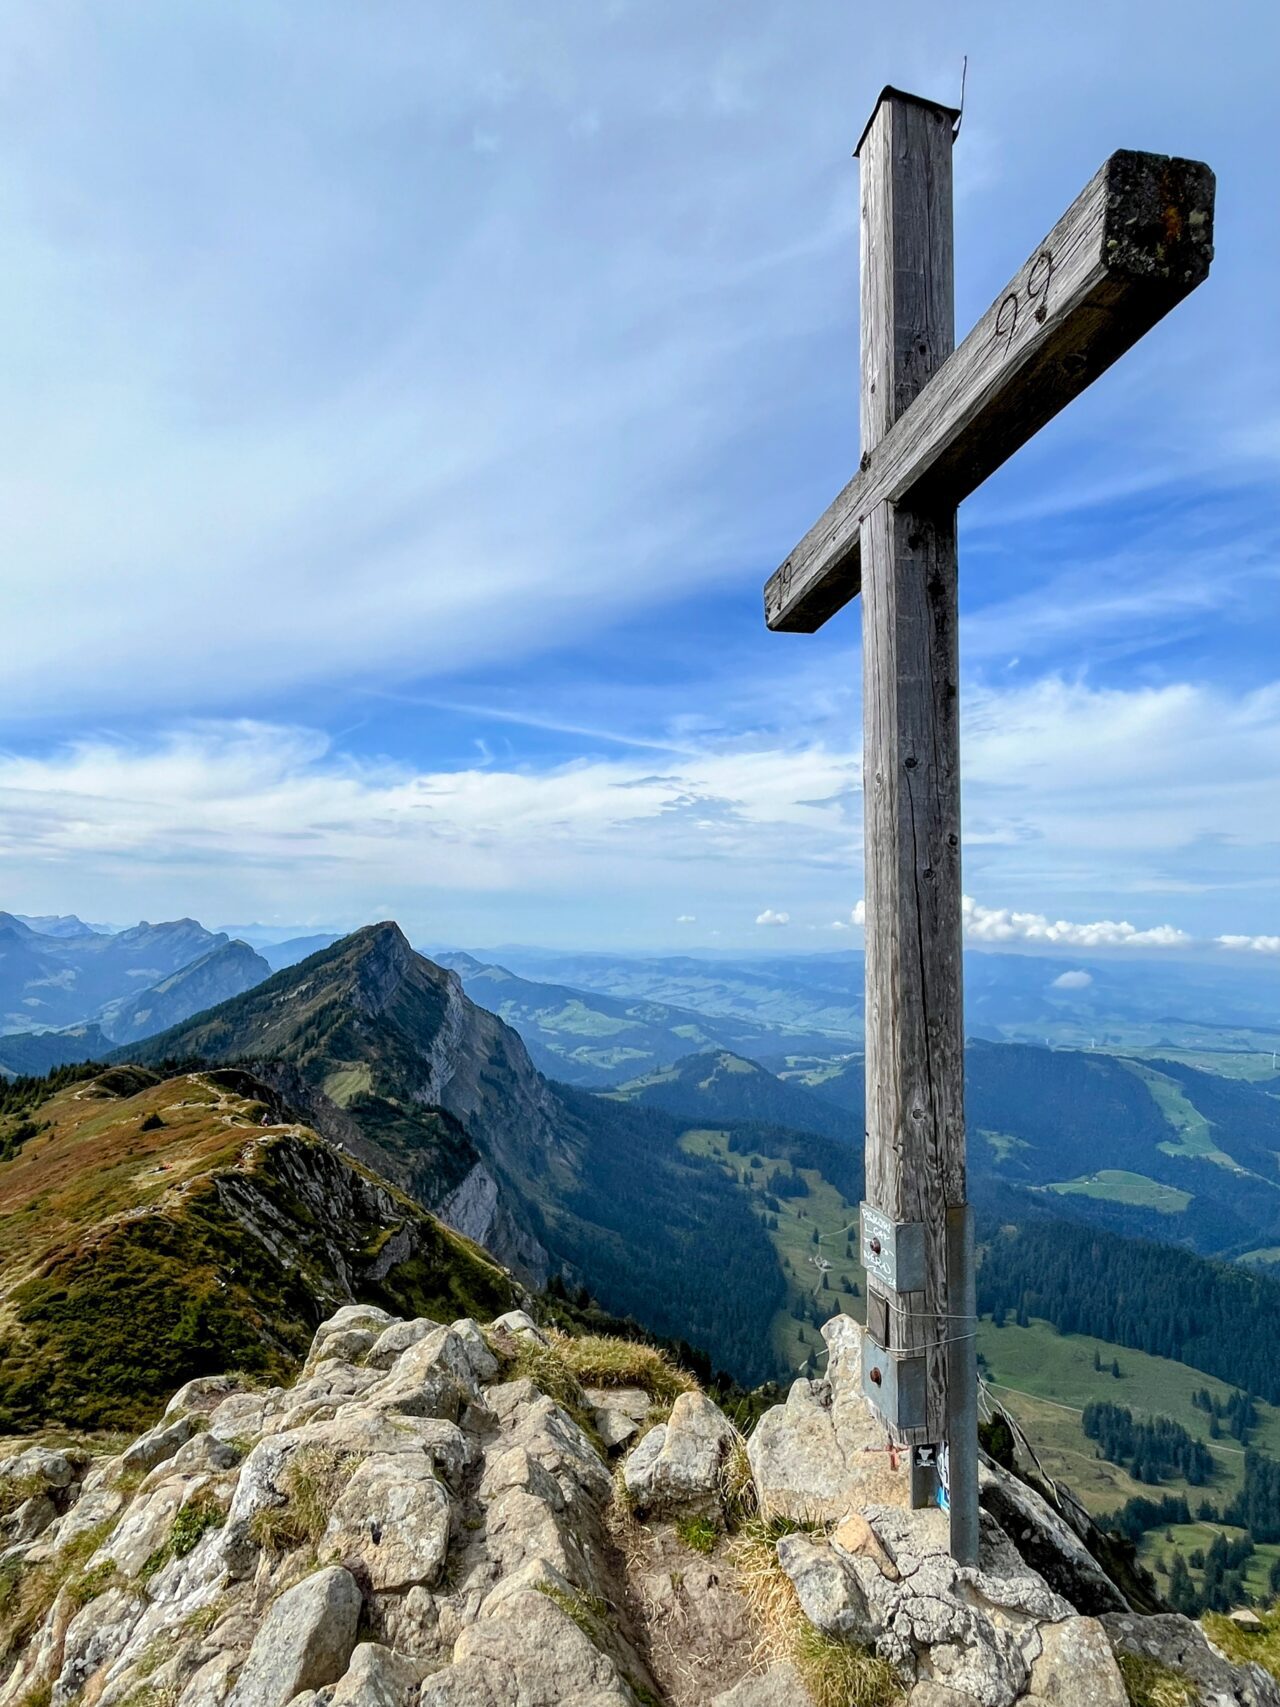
1077	980
769	917
686	918
1002	924
1255	944
249	809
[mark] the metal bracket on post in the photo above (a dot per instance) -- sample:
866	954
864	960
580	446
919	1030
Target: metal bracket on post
894	1385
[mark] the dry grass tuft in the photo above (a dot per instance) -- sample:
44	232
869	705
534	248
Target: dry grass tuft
1241	1646
737	1485
599	1360
28	1592
834	1673
1149	1684
313	1480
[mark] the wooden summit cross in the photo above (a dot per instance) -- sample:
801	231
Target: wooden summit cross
936	421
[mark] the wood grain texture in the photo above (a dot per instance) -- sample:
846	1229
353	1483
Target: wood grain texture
911	773
1131	246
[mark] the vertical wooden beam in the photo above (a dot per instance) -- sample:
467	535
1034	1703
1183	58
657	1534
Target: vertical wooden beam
911	784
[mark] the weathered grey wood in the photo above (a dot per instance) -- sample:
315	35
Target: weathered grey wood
1132	245
911	774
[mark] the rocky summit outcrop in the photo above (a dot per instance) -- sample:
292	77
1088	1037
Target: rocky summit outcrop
456	1515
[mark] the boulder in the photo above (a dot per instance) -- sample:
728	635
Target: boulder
304	1642
39	1467
392	1520
1046	1542
161	1442
530	1653
203	1393
398	1338
351	1318
807	1470
521	1324
480	1360
1180	1644
678	1465
619	1412
1076	1668
30	1519
376	1677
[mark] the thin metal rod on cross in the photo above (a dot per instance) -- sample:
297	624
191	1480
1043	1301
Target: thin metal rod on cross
936	421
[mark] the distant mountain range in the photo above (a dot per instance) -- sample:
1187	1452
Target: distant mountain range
49	980
1143	1146
1086	1001
588	1037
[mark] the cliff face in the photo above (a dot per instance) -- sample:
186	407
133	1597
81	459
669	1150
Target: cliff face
443	1515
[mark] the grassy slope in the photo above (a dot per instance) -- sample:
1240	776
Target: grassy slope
1043	1377
128	1267
1046	1379
1117	1186
825	1209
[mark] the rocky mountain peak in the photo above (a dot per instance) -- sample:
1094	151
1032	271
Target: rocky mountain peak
382	957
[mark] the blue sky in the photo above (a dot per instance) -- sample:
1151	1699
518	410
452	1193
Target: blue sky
404	405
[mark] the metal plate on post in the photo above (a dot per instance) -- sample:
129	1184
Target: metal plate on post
894	1385
893	1251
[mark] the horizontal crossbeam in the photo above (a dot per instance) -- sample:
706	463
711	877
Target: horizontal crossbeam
1135	241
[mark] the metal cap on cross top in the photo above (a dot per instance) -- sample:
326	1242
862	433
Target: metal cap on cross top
936	421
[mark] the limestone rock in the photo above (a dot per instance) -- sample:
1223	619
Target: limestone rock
522	1325
1177	1642
202	1393
376	1677
95	1636
619	1412
145	1525
529	1654
1047	1544
677	1466
807	1470
780	1686
304	1642
30	1519
431	1378
1076	1667
392	1518
398	1338
39	1467
480	1360
856	1536
351	1318
927	1693
975	1629
160	1442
